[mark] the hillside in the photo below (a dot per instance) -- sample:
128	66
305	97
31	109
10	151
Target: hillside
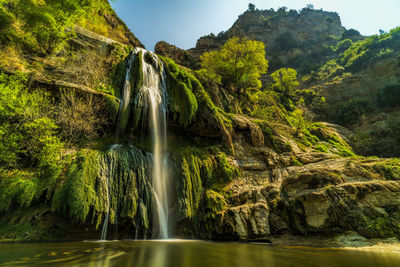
78	157
356	75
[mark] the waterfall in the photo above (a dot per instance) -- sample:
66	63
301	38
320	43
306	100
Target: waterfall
153	94
108	191
105	223
126	94
150	102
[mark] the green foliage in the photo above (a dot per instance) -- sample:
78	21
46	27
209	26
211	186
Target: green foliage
41	26
329	70
389	96
94	175
20	232
371	49
348	113
207	112
6	18
285	42
252	7
357	55
182	89
28	139
350	33
326	140
343	45
214	203
27	132
389	169
79	190
285	81
239	62
267	106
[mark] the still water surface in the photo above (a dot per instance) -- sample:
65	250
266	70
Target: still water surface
187	254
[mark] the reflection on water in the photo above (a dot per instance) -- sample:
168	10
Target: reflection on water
187	254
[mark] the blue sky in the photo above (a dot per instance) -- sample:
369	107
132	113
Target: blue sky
182	22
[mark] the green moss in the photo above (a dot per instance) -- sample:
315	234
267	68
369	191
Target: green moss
389	169
197	171
136	79
224	171
321	148
20	232
214	203
19	189
296	162
182	87
383	227
187	98
341	149
79	192
328	141
113	107
94	175
270	136
190	187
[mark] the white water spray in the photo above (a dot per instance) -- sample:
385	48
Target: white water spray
151	101
108	191
153	93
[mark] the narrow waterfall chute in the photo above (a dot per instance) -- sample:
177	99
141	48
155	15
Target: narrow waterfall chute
126	95
150	107
108	182
152	96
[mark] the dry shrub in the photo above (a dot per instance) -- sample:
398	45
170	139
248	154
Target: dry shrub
87	67
81	117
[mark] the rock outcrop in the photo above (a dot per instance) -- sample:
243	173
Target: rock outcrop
291	37
327	196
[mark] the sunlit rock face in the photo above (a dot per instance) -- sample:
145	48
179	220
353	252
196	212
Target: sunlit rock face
289	36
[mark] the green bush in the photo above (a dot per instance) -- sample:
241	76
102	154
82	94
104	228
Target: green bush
30	160
182	87
28	135
343	45
285	42
389	96
348	113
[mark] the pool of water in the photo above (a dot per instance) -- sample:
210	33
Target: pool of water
175	253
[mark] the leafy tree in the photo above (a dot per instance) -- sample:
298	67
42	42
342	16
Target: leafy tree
282	10
389	96
285	41
239	62
343	45
310	6
285	81
348	34
27	134
252	7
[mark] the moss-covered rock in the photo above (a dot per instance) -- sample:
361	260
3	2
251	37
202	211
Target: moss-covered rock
114	181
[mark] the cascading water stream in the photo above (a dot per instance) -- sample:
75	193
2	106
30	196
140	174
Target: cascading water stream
126	93
105	223
153	91
108	191
151	101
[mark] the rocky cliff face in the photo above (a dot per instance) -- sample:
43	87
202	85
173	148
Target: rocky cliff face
290	37
235	177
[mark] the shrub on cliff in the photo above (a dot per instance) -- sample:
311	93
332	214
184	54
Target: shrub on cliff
389	96
239	62
285	81
27	133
